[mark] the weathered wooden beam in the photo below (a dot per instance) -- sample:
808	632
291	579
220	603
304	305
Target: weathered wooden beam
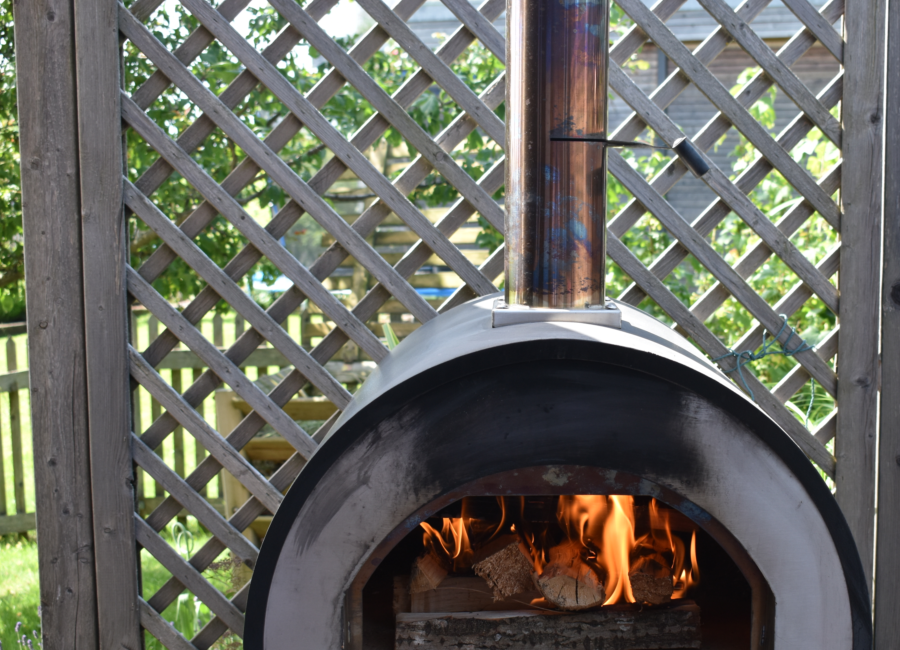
104	231
861	198
18	523
51	200
603	629
887	572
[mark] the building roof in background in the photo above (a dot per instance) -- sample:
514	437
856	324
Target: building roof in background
690	23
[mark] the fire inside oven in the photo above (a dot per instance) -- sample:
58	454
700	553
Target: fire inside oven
619	571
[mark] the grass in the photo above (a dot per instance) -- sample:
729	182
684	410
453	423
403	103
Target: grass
19	593
20	596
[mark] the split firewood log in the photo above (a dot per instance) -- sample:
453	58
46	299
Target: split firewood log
428	572
651	582
508	571
568	582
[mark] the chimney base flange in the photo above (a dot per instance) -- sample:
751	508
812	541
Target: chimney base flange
504	314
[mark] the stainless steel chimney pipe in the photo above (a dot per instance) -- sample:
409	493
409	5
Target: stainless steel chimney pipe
557	66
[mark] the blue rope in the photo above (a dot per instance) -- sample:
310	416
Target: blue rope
749	356
812	398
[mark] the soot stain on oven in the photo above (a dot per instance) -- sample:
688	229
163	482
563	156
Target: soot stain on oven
558	412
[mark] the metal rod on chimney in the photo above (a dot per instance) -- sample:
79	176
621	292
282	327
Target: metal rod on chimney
557	57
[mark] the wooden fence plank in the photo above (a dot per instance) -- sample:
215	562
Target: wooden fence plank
18	523
104	235
887	566
15	431
2	478
262	322
258	236
48	131
861	199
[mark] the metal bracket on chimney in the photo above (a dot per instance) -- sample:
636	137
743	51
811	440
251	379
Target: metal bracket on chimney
504	314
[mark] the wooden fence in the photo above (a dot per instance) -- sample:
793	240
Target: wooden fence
71	106
15	459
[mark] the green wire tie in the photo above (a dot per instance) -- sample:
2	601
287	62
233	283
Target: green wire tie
748	356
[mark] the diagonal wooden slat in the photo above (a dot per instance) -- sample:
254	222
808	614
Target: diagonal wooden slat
492	266
242	470
247	225
192	47
390	109
436	68
827	429
480	26
790	303
727	192
815	23
273	165
729	106
772	66
242	518
214	630
677	82
669	303
320	182
414	258
160	628
169	558
322	268
797	378
675	170
718	210
217	361
753	259
707	256
331	138
283	132
193	502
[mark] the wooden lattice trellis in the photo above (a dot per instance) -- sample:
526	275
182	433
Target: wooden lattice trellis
259	67
220	113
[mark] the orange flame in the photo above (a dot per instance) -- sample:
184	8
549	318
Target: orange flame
605	526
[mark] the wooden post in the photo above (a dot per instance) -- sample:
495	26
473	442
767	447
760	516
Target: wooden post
104	231
861	198
887	573
51	201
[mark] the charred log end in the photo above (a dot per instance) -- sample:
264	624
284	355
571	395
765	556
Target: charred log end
568	582
508	572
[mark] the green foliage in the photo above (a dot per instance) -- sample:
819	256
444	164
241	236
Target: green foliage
390	336
12	259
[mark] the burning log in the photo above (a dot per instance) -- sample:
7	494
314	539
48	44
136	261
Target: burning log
568	582
508	571
652	583
603	629
428	572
